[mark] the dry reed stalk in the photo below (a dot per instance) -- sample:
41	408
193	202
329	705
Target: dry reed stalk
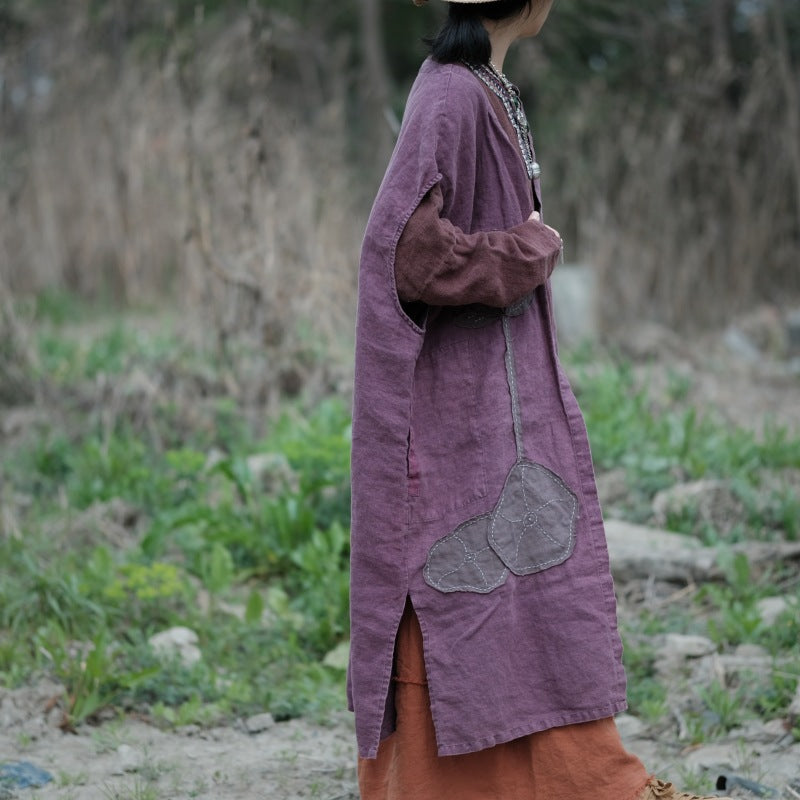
18	365
684	210
192	176
205	174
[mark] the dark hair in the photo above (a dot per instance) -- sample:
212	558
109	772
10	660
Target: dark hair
463	36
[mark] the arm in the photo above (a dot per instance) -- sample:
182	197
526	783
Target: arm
438	264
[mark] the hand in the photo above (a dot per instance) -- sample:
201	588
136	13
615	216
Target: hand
537	217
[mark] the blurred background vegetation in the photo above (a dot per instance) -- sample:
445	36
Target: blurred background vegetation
183	191
226	153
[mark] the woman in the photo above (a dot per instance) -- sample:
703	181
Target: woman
485	657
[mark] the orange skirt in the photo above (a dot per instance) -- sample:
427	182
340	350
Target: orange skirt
587	760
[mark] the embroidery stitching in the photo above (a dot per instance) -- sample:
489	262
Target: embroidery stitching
520	525
441	563
517	529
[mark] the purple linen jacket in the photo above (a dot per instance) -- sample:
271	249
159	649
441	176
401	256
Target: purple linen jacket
516	650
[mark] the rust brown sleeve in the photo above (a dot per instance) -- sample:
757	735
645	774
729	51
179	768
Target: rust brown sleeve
438	264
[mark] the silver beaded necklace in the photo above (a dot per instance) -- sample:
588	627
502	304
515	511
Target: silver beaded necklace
509	97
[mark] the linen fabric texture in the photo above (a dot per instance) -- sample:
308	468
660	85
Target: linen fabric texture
573	761
433	443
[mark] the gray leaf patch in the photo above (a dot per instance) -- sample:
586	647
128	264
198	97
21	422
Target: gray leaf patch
464	562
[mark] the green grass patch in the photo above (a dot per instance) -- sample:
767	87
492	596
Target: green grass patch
239	530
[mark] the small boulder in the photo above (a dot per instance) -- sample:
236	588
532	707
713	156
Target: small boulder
339	657
259	723
129	759
177	642
637	552
794	706
630	727
687	646
770	608
711	501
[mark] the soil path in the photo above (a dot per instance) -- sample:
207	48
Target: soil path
128	759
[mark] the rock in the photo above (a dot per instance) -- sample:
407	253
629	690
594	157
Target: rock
272	472
22	775
793	329
35	728
139	384
22	418
9	714
759	732
677	649
732	664
712	501
686	646
259	723
794	706
713	756
574	292
640	552
766	330
213	457
630	727
612	486
749	651
637	551
176	642
339	657
741	345
129	759
770	608
55	717
646	341
29	706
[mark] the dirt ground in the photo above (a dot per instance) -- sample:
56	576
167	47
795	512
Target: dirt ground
128	759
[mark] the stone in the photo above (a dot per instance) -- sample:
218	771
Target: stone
129	759
741	345
339	657
34	728
733	664
178	642
574	292
688	646
794	706
750	651
55	717
630	727
767	330
272	471
646	341
793	329
713	757
22	775
637	551
770	608
712	501
612	486
758	732
259	723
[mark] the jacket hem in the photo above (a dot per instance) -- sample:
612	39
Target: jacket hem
541	724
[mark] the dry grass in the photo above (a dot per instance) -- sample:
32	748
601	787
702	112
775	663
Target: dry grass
685	194
207	175
189	177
